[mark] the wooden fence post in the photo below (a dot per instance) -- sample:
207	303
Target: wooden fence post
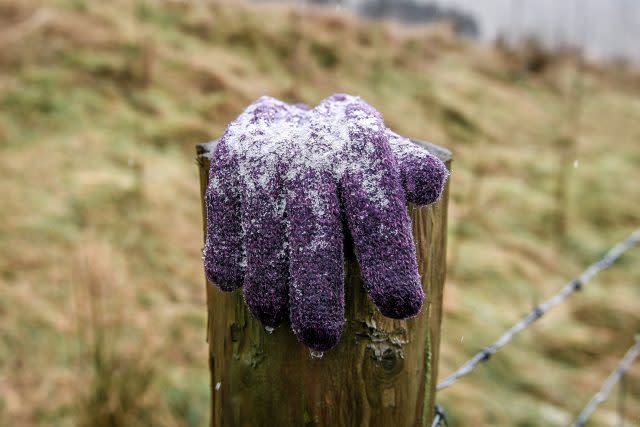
382	373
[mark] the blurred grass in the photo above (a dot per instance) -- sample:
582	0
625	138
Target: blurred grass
101	103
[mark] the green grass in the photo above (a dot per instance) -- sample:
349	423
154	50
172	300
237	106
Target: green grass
101	104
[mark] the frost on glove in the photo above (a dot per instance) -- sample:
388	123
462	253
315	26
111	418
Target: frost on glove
282	180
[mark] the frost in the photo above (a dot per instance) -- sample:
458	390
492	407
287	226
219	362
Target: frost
272	137
286	180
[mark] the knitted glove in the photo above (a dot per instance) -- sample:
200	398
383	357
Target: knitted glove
279	178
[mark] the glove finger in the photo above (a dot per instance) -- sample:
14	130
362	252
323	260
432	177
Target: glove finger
316	293
315	232
223	250
422	174
224	255
258	148
266	288
377	216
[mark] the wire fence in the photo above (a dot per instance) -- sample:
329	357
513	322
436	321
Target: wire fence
621	406
440	419
607	386
574	285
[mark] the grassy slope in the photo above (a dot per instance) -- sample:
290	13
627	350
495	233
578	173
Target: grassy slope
102	296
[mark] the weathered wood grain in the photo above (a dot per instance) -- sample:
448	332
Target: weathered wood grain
383	372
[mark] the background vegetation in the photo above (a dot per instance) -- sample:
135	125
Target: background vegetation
102	305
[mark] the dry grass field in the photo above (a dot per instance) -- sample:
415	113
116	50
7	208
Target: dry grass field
102	317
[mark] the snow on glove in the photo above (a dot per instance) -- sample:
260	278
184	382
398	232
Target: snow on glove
244	200
375	207
293	168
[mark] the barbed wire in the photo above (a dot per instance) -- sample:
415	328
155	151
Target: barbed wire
621	406
609	383
576	284
440	418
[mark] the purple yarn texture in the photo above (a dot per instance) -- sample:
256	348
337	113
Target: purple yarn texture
284	181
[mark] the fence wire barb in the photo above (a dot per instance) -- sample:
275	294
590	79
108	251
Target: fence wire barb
440	418
574	285
607	386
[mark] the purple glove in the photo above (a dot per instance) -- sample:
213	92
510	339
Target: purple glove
281	177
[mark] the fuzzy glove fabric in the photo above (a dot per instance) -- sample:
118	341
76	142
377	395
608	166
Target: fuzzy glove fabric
283	181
